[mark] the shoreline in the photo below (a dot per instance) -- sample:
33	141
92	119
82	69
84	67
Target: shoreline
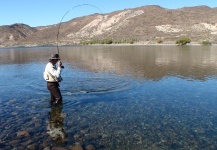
135	44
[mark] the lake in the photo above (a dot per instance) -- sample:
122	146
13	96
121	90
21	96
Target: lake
114	97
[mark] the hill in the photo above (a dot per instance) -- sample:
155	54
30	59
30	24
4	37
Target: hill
144	24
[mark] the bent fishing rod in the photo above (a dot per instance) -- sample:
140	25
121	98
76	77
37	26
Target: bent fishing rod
58	31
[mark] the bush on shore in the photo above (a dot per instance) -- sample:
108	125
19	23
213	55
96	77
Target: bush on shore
183	41
205	43
109	41
159	40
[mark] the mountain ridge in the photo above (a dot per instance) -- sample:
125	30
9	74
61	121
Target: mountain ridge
145	24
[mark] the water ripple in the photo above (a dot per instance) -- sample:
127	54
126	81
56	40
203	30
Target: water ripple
93	89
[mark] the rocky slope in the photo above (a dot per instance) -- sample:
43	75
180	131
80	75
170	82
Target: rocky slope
145	24
12	33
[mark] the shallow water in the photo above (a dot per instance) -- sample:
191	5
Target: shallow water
114	97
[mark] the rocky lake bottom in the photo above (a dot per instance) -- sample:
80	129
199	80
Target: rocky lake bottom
106	110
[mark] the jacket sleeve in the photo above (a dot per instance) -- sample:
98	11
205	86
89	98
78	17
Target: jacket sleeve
55	72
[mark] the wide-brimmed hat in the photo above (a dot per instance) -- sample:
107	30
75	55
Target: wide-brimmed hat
55	56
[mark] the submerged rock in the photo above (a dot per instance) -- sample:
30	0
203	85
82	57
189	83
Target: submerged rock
84	131
14	142
59	148
23	133
77	146
90	147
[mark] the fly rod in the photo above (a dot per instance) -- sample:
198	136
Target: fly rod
58	31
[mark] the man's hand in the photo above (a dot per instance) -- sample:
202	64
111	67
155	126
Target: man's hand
59	64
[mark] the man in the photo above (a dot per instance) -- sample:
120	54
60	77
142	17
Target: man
52	75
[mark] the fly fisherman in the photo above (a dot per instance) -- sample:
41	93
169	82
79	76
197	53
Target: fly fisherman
52	75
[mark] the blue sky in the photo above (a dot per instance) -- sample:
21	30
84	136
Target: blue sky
48	12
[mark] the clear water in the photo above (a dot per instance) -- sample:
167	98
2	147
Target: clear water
114	97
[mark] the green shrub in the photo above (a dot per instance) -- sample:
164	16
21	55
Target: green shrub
84	43
131	41
159	40
183	40
109	41
206	43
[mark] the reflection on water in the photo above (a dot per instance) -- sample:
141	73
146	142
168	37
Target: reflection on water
114	97
56	124
151	62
